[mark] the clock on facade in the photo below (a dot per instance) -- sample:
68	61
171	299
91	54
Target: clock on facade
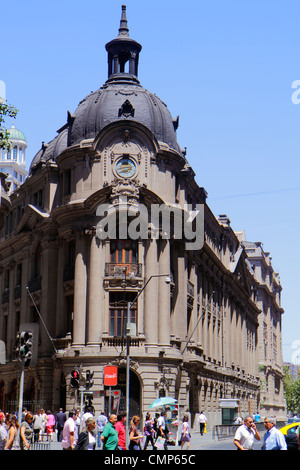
125	167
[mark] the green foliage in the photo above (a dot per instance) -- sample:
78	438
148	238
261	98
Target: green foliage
291	391
5	110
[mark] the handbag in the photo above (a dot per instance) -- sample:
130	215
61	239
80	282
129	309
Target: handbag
160	442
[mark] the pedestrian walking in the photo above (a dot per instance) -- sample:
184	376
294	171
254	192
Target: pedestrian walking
185	433
101	422
44	416
37	425
109	435
78	420
86	439
13	439
120	428
202	420
149	432
273	439
87	414
26	432
246	434
162	430
60	420
134	435
70	436
3	432
50	424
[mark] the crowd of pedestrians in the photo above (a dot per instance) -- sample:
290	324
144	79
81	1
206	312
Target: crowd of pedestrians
15	436
86	432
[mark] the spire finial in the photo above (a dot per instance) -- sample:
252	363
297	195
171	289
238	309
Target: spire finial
123	30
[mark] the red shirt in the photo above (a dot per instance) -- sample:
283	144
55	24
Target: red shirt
120	428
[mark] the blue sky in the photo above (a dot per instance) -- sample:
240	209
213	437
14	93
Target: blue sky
225	67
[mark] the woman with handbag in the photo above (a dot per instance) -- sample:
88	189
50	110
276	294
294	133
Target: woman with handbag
134	436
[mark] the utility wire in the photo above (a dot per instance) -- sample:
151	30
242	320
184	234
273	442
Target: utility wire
274	191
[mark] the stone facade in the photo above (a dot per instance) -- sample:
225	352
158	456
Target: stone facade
194	338
269	351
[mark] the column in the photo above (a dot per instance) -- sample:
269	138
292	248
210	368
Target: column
180	295
150	294
60	301
80	280
164	294
95	291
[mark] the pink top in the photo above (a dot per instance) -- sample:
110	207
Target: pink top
51	420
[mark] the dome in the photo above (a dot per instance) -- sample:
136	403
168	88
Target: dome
121	98
118	101
50	151
16	134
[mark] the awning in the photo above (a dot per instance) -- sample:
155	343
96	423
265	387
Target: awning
227	403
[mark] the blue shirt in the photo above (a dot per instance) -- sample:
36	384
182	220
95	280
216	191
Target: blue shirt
101	422
274	440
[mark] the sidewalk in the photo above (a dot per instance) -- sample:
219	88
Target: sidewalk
197	442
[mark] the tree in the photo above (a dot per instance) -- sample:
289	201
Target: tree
288	386
291	391
5	110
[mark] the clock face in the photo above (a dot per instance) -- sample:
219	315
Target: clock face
125	167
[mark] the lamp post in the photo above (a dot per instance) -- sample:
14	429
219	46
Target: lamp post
129	305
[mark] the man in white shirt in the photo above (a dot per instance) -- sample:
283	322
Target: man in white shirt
70	436
161	427
246	434
202	420
88	414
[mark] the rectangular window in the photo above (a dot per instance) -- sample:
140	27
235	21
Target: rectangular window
123	251
67	182
118	302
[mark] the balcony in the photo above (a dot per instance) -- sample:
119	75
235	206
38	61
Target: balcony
122	271
120	342
35	284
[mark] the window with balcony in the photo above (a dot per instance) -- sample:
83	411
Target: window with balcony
123	259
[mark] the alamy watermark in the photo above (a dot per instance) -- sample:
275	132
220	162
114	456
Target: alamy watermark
135	221
296	94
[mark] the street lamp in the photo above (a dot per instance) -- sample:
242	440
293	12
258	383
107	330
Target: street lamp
129	305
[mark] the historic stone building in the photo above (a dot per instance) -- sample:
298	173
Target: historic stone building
194	337
269	351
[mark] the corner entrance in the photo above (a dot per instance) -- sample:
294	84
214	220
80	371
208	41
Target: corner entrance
114	402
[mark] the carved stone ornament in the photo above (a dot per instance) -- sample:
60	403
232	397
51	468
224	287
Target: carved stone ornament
124	188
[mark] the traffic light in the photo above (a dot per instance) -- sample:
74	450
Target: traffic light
75	377
24	347
89	382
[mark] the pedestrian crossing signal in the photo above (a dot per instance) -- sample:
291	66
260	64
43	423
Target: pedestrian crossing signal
75	377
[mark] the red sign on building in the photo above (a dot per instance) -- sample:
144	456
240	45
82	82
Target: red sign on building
110	376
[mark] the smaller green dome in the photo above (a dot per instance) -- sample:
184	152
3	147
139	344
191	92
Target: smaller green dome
16	134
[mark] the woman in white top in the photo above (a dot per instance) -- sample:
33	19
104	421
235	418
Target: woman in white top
87	440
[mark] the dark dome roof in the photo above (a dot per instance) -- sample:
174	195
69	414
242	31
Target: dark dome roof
119	101
121	98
